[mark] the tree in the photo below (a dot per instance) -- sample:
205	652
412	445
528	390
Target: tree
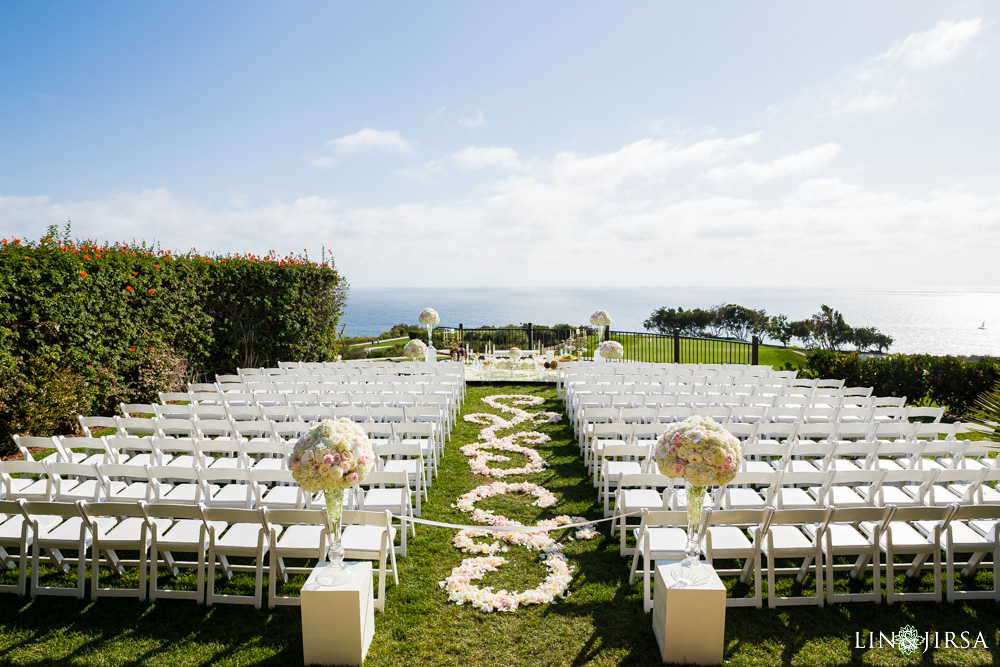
780	329
829	328
741	322
688	322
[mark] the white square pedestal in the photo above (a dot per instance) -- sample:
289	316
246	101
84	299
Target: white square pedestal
338	622
689	623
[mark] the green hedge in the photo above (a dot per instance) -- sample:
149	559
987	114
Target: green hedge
85	326
946	381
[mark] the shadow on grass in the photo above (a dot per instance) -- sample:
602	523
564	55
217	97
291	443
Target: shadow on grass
120	631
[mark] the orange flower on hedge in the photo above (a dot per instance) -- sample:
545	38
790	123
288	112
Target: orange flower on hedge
151	291
157	266
131	349
128	288
83	274
134	273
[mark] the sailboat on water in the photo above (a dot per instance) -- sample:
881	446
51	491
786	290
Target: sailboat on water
983	325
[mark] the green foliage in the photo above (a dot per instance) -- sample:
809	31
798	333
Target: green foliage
86	326
986	413
943	380
826	329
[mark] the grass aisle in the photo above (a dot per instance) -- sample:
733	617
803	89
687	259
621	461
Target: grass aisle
600	623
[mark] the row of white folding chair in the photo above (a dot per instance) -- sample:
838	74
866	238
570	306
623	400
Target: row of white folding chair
726	401
827	417
216	472
97	531
803	489
362	365
867	455
818	537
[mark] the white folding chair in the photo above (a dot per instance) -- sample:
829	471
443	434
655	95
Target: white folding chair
27	480
75	481
370	536
635	493
786	538
422	434
16	533
293	533
389	491
617	460
397	457
661	535
130	533
973	530
245	536
842	539
229	487
186	533
71	533
277	489
178	485
915	531
726	539
126	483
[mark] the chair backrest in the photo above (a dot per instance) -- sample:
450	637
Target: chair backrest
136	425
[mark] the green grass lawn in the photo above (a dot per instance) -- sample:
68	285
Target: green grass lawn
601	622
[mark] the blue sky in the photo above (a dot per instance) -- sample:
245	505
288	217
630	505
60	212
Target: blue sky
521	143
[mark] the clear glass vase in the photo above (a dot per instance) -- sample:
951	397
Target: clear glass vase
691	572
334	574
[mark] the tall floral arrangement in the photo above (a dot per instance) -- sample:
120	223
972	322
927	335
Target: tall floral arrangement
331	457
600	318
429	318
704	454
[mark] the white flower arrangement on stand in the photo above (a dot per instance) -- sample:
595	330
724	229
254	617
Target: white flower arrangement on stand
704	454
332	457
611	349
430	319
415	349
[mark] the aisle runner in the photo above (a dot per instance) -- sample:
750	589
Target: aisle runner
459	585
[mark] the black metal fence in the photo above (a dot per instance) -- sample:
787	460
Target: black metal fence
639	346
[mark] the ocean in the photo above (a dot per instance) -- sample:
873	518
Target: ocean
931	321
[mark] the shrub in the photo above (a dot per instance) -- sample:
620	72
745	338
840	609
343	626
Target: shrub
947	381
85	326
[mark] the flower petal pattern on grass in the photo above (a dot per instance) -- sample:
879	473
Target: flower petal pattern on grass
459	584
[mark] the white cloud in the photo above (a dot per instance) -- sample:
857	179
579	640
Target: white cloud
362	141
935	47
793	164
644	213
481	157
890	80
475	121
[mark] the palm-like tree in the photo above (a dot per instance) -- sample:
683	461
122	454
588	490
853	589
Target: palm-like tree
986	413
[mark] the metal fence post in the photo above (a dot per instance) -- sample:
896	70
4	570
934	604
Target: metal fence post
755	352
531	343
677	346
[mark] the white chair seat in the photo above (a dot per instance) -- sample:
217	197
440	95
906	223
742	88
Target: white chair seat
841	464
983	526
666	542
743	498
728	538
636	498
186	533
900	495
801	465
364	538
790	540
283	496
240	539
793	497
758	466
843	535
905	536
232	495
844	496
616	469
300	538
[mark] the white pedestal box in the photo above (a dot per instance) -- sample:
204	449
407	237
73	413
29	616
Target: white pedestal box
690	622
431	354
338	622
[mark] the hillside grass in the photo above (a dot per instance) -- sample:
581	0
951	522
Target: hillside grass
601	622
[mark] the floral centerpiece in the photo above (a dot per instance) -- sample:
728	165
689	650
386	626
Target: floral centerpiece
704	454
600	318
514	354
611	349
430	319
331	457
415	349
